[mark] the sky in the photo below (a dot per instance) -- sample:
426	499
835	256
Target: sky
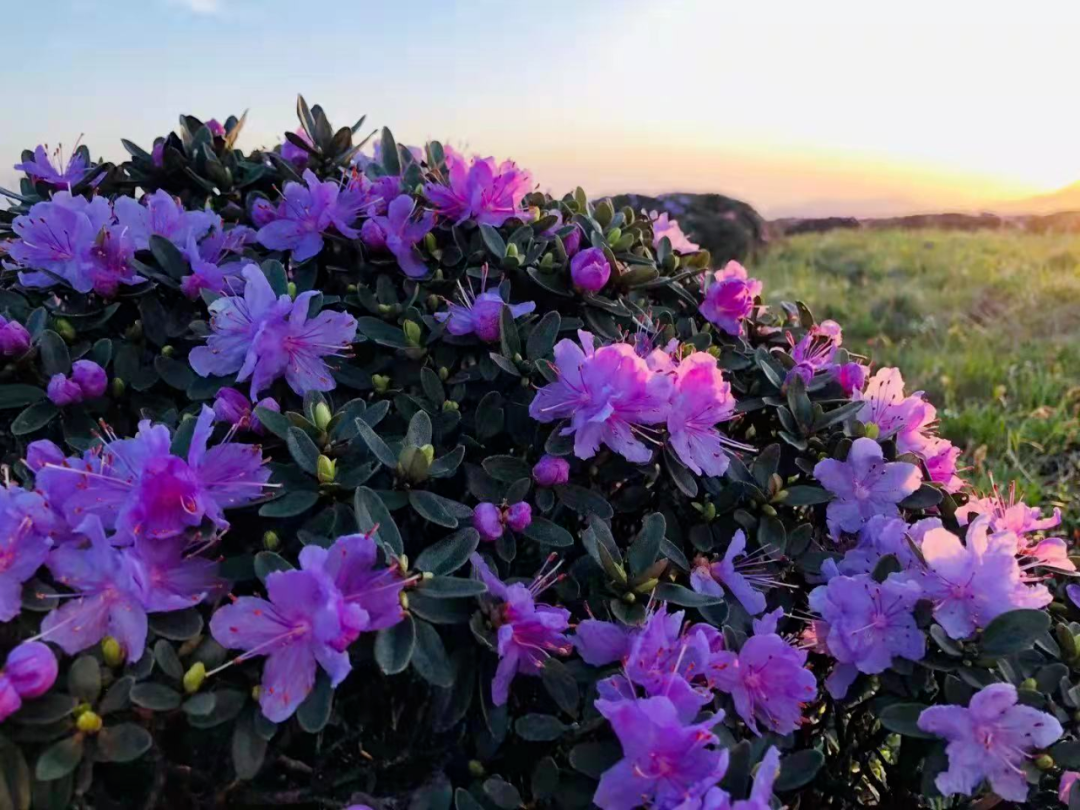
832	107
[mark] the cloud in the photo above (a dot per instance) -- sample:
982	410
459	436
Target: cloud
202	7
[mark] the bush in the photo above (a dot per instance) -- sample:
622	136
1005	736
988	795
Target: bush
387	479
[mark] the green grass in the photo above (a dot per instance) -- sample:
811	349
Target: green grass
987	323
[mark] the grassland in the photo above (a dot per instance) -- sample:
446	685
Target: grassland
987	323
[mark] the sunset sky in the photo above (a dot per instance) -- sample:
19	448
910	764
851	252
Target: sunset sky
799	108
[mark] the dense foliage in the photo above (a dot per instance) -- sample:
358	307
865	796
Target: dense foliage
337	478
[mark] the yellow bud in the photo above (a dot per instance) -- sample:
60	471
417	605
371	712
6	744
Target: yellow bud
271	541
548	261
476	768
444	373
385	309
255	692
167	351
1044	762
614	235
512	251
112	651
430	243
351	288
81	709
117	387
429	452
1029	683
412	332
64	329
326	470
872	430
291	287
89	723
194	677
450	405
322	416
381	383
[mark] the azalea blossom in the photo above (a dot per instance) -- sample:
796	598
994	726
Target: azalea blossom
480	190
590	270
701	399
605	393
297	156
882	536
550	471
729	298
161	214
708	577
664	226
989	740
527	632
815	351
211	268
399	233
26	525
761	792
864	485
28	673
480	315
41	169
14	339
907	418
306	213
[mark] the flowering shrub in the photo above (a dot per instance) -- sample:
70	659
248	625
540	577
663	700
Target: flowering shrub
335	478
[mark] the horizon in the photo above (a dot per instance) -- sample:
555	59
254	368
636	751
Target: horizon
799	112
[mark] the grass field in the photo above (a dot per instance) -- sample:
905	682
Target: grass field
987	323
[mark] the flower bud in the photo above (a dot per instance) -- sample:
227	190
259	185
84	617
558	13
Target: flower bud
10	702
589	270
412	332
31	668
614	235
413	462
89	723
487	520
385	309
450	405
14	338
512	251
430	243
291	287
519	516
871	430
381	383
1044	762
433	302
326	469
271	541
64	328
551	470
350	288
428	451
322	416
63	391
117	387
90	377
194	677
444	373
112	651
547	262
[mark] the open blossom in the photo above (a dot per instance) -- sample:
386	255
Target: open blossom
815	351
852	377
882	536
973	582
265	337
137	487
233	408
869	623
26	523
29	672
666	763
42	170
211	268
663	226
767	679
1065	786
761	792
989	740
14	339
1008	514
701	399
605	393
907	418
729	298
550	471
708	577
352	562
527	632
306	212
480	315
864	485
590	270
480	190
940	457
399	233
160	214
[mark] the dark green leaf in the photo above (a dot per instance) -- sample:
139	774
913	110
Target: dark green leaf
84	679
429	657
394	646
539	727
269	562
798	769
806	496
1014	631
376	445
924	497
60	759
507	468
678	595
34	418
248	748
452	587
16	395
450	553
501	792
561	685
493	241
646	546
372	512
55	358
903	718
292	504
303	450
547	533
314	712
155	696
438	509
177	625
584	501
543	336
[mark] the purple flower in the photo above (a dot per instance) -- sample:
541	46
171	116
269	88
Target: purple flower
215	127
232	407
296	155
1008	514
767	679
161	214
600	643
63	391
1065	786
400	234
306	213
265	338
10	702
14	339
590	270
157	156
487	520
940	457
169	577
852	378
28	673
760	793
480	315
139	488
90	377
25	526
518	516
869	623
41	169
527	632
864	485
351	563
304	625
604	393
481	190
666	763
665	226
882	536
729	298
815	351
707	578
972	583
701	400
372	235
894	414
550	471
990	739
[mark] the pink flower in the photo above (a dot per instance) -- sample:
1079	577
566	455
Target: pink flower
729	298
895	414
1065	786
852	377
482	190
590	270
940	456
14	339
664	226
814	353
701	400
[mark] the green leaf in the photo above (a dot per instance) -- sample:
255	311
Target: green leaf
539	727
168	257
543	336
501	792
430	659
380	449
391	160
118	697
493	241
799	769
432	385
372	512
55	358
903	718
248	748
34	418
16	395
382	333
314	712
560	683
678	595
806	496
452	587
547	533
292	504
450	553
509	340
269	562
45	710
84	679
924	497
1014	631
584	501
155	696
175	373
177	625
506	468
60	759
593	758
276	423
646	546
15	789
303	450
394	646
438	509
419	432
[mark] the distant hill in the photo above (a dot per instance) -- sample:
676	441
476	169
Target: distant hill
1064	199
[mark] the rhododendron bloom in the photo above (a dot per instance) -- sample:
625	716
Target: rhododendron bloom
62	391
1065	786
882	536
352	563
708	577
481	315
864	485
306	212
551	470
161	214
481	190
14	339
1008	514
139	488
852	377
940	457
729	298
518	516
399	233
604	393
210	266
487	520
590	270
989	740
527	632
42	170
25	525
29	672
905	417
264	337
701	399
815	351
666	763
663	226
